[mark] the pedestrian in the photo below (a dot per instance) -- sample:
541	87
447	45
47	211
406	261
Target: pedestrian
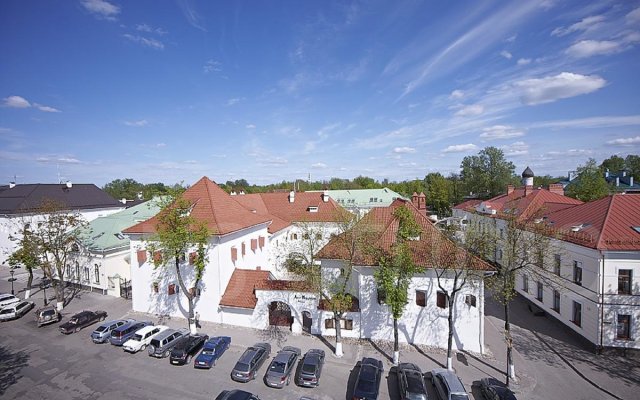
198	320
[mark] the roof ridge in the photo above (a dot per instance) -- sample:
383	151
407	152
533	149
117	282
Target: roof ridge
604	223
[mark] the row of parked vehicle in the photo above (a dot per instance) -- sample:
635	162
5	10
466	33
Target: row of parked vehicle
11	307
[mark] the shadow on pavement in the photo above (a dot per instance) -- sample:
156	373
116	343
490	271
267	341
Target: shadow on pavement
419	350
351	383
10	366
392	384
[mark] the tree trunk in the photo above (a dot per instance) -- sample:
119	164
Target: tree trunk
191	321
396	348
337	318
27	294
511	373
58	287
450	337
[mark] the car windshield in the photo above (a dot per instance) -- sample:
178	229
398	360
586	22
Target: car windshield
459	397
415	383
209	350
136	337
48	313
74	320
6	311
277	366
101	329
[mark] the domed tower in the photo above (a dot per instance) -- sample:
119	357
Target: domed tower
527	177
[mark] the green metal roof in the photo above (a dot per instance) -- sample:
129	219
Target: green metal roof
364	198
103	234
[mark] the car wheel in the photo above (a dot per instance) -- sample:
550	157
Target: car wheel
144	346
165	354
77	329
288	379
103	318
152	349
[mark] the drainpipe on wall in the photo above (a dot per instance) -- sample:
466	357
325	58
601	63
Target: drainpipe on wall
602	307
219	282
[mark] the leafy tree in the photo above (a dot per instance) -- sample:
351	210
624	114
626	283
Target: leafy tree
123	188
612	164
396	269
438	193
364	182
487	173
457	191
26	255
176	233
590	184
632	164
545	180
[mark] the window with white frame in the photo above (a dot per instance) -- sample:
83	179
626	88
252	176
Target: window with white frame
525	283
470	300
623	328
441	299
624	281
557	264
86	274
540	292
577	272
96	273
577	313
556	301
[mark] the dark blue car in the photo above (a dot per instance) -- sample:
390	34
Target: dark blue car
368	383
212	350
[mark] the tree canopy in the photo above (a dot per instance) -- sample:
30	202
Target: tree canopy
590	184
488	173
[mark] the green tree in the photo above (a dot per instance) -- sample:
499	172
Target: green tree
123	188
590	184
612	164
364	182
632	164
545	180
26	255
487	173
457	191
396	269
438	194
178	232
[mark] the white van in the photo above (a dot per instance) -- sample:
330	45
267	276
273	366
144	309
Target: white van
142	337
15	310
7	299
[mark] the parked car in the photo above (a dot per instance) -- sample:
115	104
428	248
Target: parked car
47	315
250	361
236	395
411	382
82	319
15	310
213	349
141	339
493	389
7	299
367	384
120	335
448	385
279	372
103	333
311	368
183	351
162	344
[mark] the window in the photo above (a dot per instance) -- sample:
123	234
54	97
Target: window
294	236
623	330
346	324
318	236
96	273
244	249
540	292
254	245
77	275
157	257
86	274
172	289
421	298
261	241
577	273
234	254
193	256
556	301
470	300
501	233
624	281
441	300
557	262
142	256
499	254
525	283
540	258
577	313
182	257
382	296
156	287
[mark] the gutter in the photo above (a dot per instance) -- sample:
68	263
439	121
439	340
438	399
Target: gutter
602	305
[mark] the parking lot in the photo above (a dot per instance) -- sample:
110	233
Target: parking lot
41	363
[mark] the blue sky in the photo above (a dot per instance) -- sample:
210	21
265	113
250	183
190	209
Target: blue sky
169	91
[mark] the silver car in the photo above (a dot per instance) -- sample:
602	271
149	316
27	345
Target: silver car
279	372
162	344
102	333
448	385
15	310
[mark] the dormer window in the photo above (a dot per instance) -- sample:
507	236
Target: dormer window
312	209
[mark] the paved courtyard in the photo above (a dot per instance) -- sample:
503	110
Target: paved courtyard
41	363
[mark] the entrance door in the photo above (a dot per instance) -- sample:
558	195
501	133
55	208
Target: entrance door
280	314
306	321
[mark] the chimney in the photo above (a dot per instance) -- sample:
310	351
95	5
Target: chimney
414	199
556	188
422	201
12	185
510	189
292	196
69	185
528	189
325	196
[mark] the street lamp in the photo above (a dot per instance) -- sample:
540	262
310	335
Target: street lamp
12	279
43	285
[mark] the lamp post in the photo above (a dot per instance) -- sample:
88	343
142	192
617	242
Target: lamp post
12	279
43	284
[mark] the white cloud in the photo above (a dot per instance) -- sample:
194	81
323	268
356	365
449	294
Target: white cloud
139	123
460	148
456	94
570	153
588	48
498	132
585	25
633	16
58	160
319	165
404	150
101	8
506	54
625	141
161	145
45	108
212	66
16	102
592	122
511	39
524	61
467	111
233	101
153	43
250	126
561	86
516	149
150	29
274	161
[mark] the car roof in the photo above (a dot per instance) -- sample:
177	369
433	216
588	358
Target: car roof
6	296
372	362
165	333
149	328
452	380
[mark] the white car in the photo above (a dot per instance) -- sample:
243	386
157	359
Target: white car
142	338
7	299
15	310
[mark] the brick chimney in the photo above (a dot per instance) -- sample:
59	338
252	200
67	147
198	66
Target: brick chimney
528	189
414	199
510	189
422	201
556	188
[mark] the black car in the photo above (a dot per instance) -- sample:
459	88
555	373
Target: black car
311	368
236	395
188	347
82	319
493	389
250	361
411	382
368	383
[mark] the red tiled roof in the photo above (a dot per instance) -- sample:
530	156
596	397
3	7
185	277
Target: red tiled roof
214	206
433	246
468	204
283	213
276	284
240	289
605	224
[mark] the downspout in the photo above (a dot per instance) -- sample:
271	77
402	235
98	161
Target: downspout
219	281
602	306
